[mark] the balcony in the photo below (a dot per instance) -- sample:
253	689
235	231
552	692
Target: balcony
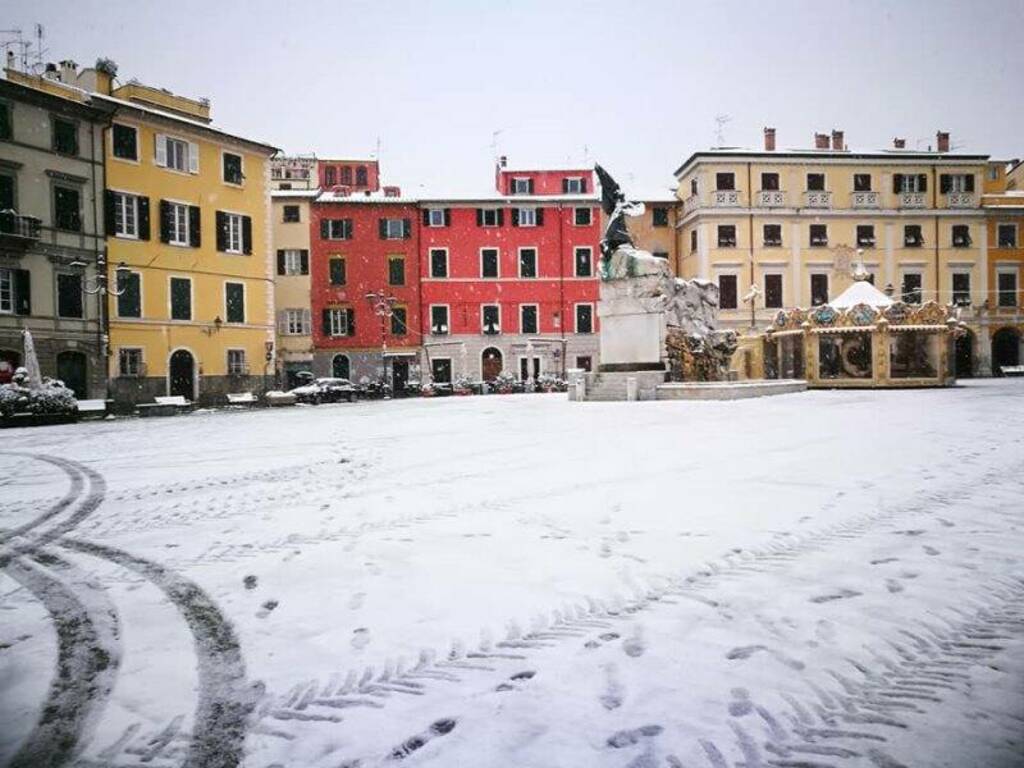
817	199
16	228
913	199
865	199
725	198
961	200
771	198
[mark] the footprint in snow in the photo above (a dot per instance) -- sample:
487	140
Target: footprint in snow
628	738
635	645
930	550
740	704
746	651
841	594
601	640
410	745
613	693
360	638
265	610
524	675
356	601
893	586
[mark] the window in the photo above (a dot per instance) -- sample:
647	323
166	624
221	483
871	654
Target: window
725	181
346	180
399	324
129	302
584	362
296	322
815	182
395	229
584	318
330	176
1006	235
125	141
909	182
232	168
181	298
862	182
962	288
819	235
693	240
235	302
339	321
573	186
362	178
293	261
437	217
693	186
336	271
529	367
581	217
659	216
773	291
727	291
489	262
1006	287
7	195
336	229
69	296
770	182
522	186
961	236
490	319
236	363
177	153
65	137
291	214
130	361
525	217
527	262
912	236
772	235
528	318
584	262
439	262
441	370
489	217
956	182
6	132
66	209
911	289
819	289
396	270
439	320
726	235
6	291
866	235
231	232
126	215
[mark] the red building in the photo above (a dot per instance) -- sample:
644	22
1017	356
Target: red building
356	175
485	284
364	285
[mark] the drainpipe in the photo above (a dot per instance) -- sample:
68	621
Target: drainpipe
750	232
103	333
935	206
561	286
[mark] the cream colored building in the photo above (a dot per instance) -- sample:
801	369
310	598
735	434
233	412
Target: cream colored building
290	231
784	228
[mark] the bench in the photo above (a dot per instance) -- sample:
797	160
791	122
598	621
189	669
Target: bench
241	398
93	408
277	399
1012	370
178	401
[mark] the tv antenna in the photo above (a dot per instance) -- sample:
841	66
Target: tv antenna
720	121
494	143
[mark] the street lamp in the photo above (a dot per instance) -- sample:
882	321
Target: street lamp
99	283
751	298
383	306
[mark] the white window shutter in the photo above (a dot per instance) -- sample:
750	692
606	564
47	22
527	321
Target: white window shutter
193	157
307	322
161	150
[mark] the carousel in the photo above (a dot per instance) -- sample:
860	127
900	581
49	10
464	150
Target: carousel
864	338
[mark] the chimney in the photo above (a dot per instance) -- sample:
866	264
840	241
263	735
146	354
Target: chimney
837	140
769	139
68	72
899	143
392	192
821	141
503	161
51	72
942	141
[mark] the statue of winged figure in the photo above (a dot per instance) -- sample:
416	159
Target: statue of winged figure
616	208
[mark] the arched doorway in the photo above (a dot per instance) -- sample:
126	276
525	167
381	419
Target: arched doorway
9	362
491	364
340	367
182	374
1005	349
964	356
71	369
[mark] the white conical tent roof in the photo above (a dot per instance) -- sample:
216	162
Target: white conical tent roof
861	292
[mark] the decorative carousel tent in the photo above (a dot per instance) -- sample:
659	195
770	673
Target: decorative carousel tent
864	338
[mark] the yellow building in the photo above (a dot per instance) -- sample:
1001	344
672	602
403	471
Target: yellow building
655	229
290	227
188	258
784	228
1004	211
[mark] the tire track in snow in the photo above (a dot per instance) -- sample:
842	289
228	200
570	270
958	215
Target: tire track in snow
226	699
88	656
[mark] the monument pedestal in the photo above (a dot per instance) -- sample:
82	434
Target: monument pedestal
633	325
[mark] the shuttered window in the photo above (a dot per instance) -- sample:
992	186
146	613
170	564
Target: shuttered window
234	302
727	291
129	302
181	298
69	296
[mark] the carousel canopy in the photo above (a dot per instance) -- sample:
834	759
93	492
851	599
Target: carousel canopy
861	292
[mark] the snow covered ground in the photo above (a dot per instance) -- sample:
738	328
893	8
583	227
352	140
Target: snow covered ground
817	579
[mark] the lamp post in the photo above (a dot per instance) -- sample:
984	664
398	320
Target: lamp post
383	306
99	286
751	298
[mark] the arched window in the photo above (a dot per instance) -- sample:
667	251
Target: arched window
491	363
340	367
346	175
361	178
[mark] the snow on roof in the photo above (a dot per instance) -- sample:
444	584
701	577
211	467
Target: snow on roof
861	292
310	193
427	197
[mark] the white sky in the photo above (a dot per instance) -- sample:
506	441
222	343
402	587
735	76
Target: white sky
635	85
